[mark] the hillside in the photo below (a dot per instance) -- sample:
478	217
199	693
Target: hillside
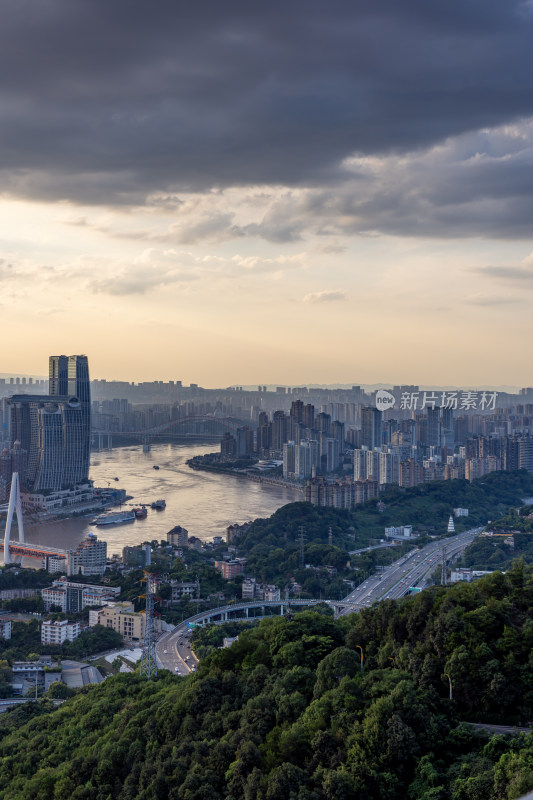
287	714
272	549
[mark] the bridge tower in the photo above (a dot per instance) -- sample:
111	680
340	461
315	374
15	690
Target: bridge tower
148	658
14	505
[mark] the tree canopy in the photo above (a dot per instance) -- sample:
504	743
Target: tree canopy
287	712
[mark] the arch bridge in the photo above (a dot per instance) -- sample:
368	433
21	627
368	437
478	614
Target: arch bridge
208	423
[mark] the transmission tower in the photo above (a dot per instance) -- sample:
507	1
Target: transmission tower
301	539
444	577
148	658
330	536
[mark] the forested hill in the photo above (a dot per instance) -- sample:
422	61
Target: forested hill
272	547
427	507
287	714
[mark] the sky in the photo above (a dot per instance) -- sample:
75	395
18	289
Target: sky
241	193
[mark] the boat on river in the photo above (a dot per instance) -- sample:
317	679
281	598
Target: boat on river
115	518
159	505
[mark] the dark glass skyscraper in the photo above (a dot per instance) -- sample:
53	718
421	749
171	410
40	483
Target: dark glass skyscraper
79	386
55	431
371	428
58	376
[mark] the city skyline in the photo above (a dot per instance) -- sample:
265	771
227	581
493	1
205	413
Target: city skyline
242	195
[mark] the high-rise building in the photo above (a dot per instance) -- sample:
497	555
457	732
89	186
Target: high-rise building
371	435
54	431
178	536
245	441
433	430
58	376
79	386
296	410
308	415
337	432
323	423
333	457
447	427
388	467
306	458
89	558
359	465
280	425
289	455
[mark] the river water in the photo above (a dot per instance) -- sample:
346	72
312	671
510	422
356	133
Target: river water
203	502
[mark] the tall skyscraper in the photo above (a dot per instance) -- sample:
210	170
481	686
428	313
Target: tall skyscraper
371	435
79	386
308	415
280	424
58	376
433	435
55	430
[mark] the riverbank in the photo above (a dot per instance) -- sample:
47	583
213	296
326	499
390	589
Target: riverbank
205	503
208	464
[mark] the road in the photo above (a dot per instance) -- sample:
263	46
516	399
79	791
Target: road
413	569
173	651
512	730
5	705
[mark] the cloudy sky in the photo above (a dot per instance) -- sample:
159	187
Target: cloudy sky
292	192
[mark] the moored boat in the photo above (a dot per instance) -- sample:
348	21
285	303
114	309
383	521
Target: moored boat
115	518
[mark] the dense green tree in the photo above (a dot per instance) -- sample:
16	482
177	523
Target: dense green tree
286	712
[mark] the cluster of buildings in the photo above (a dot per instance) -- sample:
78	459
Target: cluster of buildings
88	558
252	590
50	434
230	569
29	676
429	446
70	597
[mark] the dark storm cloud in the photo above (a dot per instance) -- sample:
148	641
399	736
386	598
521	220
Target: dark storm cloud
105	101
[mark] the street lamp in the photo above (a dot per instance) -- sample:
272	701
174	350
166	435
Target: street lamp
358	646
450	683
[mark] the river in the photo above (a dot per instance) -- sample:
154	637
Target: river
203	502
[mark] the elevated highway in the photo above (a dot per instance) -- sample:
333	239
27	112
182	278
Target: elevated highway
410	571
173	650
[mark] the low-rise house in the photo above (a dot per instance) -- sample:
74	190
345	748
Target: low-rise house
59	631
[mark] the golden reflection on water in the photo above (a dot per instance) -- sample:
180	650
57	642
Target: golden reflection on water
203	502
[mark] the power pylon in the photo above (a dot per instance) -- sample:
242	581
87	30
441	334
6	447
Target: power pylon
444	575
148	658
